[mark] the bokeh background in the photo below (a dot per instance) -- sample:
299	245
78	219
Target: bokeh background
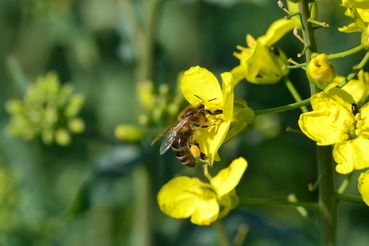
99	190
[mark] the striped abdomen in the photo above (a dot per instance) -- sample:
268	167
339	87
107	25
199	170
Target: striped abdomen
182	152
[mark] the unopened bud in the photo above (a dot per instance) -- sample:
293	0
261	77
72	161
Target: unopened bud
62	137
129	133
320	71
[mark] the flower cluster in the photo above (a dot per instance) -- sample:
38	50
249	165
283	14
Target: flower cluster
48	110
340	117
359	12
260	63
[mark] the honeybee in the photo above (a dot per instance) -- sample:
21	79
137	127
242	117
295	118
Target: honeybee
179	136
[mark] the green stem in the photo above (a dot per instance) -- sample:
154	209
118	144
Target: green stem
141	229
17	74
308	35
345	53
358	67
327	201
146	64
274	202
284	108
344	184
222	234
349	198
294	93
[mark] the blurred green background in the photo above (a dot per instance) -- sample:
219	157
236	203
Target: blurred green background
101	191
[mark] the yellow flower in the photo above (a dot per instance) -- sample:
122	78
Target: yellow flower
337	120
198	85
363	186
184	197
320	71
261	62
359	12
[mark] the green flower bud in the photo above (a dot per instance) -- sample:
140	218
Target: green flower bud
47	110
62	137
129	133
76	125
146	96
320	71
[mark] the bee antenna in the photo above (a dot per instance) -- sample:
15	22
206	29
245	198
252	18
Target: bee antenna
198	97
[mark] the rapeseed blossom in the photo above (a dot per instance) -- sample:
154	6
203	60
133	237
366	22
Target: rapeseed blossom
184	197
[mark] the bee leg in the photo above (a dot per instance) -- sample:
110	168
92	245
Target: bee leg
215	112
203	157
197	125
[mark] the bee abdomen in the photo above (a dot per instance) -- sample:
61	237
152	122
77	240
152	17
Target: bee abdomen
184	156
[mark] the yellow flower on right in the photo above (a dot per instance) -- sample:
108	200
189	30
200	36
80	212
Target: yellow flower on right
337	120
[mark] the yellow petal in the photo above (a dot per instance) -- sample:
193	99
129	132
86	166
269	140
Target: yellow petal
228	178
358	88
242	116
264	66
363	185
198	82
364	4
352	27
228	95
277	30
363	124
207	211
351	155
184	197
210	139
328	123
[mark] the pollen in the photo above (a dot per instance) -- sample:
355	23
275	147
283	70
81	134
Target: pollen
195	151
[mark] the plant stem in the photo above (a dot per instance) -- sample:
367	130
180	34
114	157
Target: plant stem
222	234
342	188
260	201
345	53
294	93
141	231
327	201
349	198
358	67
283	108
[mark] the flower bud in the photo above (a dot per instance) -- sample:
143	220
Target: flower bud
76	125
62	137
129	133
146	96
320	71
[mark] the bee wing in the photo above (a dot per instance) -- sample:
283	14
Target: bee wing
172	134
160	134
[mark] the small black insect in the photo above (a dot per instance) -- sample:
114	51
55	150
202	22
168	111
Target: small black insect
354	109
275	50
